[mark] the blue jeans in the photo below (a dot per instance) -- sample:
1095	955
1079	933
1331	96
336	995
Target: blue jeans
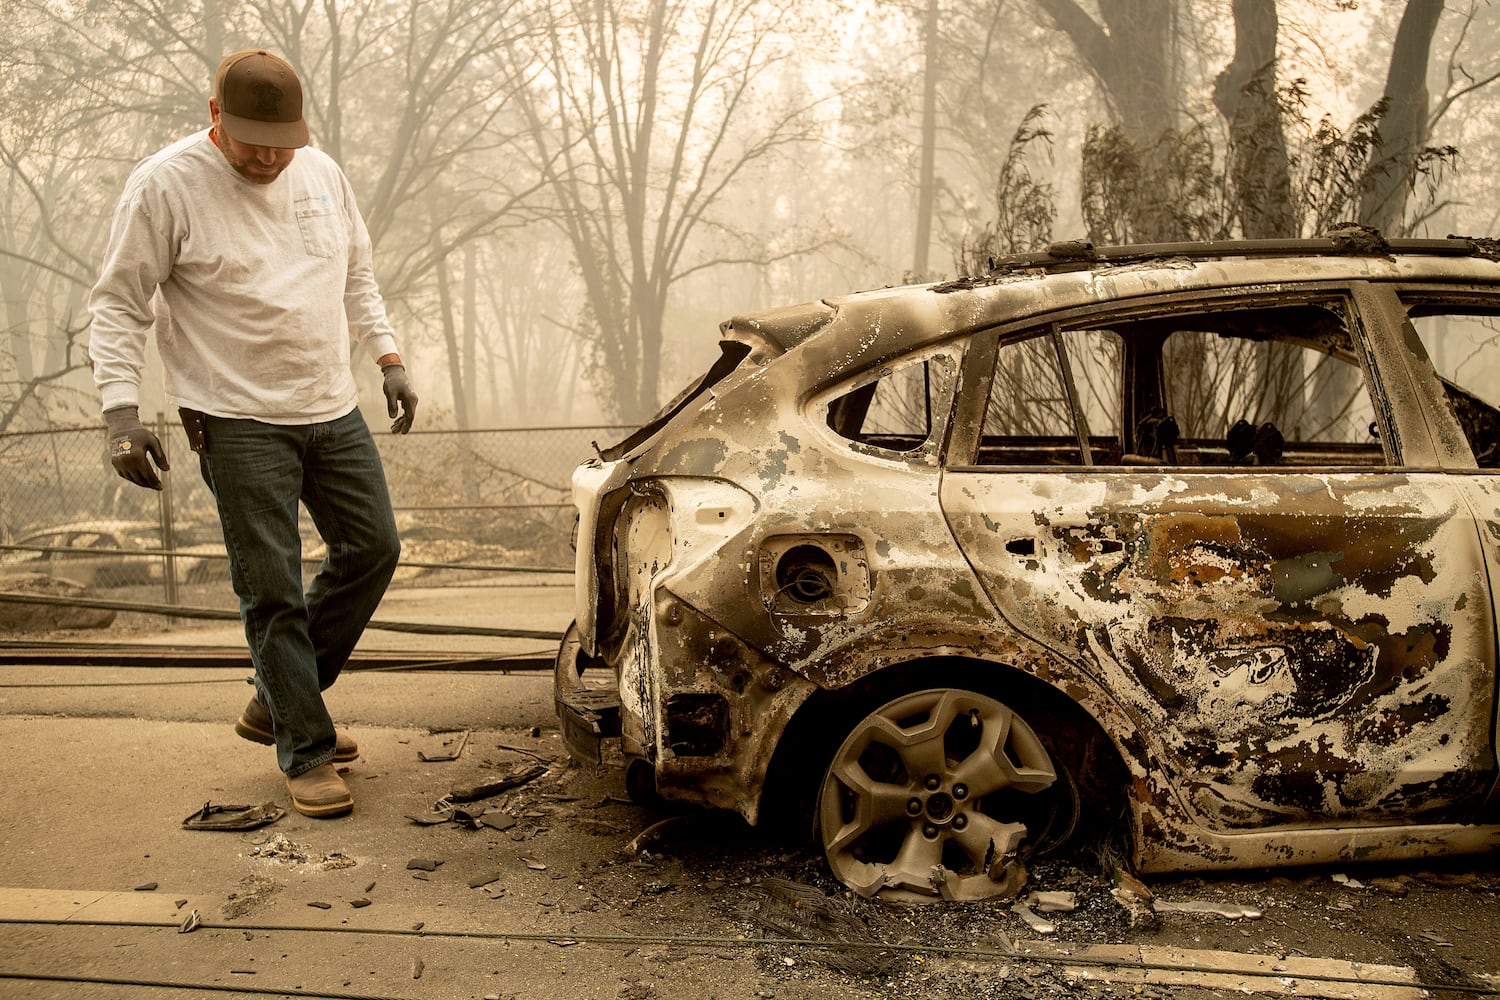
299	642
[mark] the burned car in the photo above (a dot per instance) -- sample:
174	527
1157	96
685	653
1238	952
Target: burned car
1190	545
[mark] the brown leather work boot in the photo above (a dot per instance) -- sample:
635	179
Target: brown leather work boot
255	725
320	792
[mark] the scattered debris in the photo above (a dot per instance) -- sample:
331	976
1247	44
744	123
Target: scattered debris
1432	937
791	909
1030	919
1053	902
234	817
497	819
653	833
253	890
609	800
1347	882
444	811
1229	911
423	864
441	812
1131	893
516	749
519	776
450	744
278	848
190	922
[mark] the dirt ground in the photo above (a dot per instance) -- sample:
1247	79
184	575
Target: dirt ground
561	887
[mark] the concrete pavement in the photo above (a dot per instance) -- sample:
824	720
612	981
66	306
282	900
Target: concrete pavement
97	874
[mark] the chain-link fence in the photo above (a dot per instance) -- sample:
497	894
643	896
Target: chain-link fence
467	503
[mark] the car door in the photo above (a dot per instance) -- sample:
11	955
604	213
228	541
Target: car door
1458	329
1298	632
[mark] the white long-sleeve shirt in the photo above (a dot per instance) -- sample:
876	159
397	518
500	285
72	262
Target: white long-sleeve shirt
264	286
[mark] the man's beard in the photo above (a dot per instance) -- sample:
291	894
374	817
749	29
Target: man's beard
252	170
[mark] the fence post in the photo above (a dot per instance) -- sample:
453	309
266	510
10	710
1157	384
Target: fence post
168	536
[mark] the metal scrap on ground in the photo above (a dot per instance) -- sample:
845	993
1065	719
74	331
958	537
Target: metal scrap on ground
450	744
233	817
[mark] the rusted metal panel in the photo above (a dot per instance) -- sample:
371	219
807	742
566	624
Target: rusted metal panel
1296	650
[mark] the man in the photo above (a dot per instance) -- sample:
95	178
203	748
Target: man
254	244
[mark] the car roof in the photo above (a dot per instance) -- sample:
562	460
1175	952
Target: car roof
870	327
1078	273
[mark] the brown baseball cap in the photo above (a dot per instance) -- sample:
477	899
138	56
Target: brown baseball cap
260	100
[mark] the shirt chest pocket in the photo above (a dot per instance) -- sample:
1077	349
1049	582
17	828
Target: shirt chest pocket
322	231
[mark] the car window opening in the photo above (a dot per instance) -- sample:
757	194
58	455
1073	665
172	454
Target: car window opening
893	412
1462	339
1269	386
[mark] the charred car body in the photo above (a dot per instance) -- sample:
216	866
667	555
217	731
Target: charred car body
1196	542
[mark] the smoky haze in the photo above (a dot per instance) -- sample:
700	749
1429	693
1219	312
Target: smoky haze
566	199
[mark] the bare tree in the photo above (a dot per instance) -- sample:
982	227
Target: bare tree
61	86
411	97
525	290
644	114
1129	50
1404	128
414	99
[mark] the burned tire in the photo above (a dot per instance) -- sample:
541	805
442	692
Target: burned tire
941	794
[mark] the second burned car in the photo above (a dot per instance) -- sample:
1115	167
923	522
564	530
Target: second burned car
1191	545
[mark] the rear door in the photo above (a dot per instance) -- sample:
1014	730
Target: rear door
1298	626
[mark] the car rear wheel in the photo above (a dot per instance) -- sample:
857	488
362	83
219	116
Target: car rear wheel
941	794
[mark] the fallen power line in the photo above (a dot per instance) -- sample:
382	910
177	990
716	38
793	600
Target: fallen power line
121	654
219	614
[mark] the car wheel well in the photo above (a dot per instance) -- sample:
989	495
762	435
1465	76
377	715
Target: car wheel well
1078	743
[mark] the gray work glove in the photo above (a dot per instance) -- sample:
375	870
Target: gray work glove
398	390
130	444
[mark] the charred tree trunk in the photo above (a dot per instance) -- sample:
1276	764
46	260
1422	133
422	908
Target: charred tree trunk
1245	94
1403	130
1131	55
